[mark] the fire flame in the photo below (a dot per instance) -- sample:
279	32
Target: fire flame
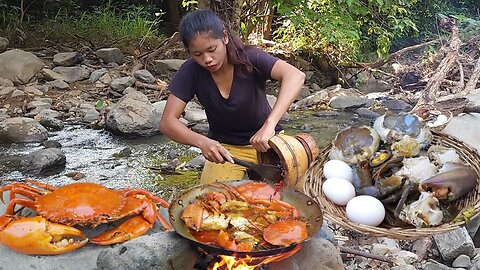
233	263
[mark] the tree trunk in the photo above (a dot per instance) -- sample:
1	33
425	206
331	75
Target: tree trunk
173	16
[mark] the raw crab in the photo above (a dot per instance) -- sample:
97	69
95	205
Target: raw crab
58	209
354	144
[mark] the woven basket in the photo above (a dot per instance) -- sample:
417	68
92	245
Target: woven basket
335	213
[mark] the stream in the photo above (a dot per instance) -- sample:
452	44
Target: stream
101	157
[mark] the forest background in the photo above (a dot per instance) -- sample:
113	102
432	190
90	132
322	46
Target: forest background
329	34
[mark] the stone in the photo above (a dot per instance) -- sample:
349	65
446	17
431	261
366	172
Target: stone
162	250
144	76
165	66
109	55
67	59
347	102
454	243
19	66
462	261
316	253
44	161
120	84
5	83
22	130
72	74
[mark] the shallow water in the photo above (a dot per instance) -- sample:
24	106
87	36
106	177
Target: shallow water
95	152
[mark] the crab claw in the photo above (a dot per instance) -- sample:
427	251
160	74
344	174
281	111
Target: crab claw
128	230
36	235
457	181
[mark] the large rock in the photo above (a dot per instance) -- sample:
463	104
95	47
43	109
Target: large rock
163	250
19	66
44	161
22	130
317	253
72	74
109	55
133	115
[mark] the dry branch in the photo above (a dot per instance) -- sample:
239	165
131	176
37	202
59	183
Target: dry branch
472	83
139	63
430	92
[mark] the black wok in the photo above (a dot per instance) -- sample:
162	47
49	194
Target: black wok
308	208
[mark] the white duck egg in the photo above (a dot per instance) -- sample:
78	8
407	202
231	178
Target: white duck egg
366	210
337	168
338	190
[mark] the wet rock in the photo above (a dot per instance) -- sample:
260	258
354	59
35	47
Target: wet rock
325	113
167	65
196	163
109	55
315	99
19	66
162	250
51	144
397	105
44	162
347	102
67	59
3	44
133	115
144	76
325	253
21	130
72	74
366	113
52	124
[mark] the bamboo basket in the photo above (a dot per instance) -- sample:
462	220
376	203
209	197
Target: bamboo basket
336	214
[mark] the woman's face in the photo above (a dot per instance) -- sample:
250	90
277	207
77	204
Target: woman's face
209	52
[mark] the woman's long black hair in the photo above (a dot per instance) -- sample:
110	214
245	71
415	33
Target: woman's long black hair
205	21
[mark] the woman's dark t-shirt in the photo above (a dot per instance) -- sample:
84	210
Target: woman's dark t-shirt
236	119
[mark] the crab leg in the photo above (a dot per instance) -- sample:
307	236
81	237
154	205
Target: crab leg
20	201
131	228
36	235
22	189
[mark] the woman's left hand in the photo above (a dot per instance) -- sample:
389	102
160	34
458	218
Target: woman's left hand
259	141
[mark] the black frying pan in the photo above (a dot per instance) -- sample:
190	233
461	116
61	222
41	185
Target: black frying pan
308	208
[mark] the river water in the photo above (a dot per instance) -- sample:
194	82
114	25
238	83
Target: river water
97	153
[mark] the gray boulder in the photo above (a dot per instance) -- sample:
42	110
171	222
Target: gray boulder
44	161
22	130
19	66
133	115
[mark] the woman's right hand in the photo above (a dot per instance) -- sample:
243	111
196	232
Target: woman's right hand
215	152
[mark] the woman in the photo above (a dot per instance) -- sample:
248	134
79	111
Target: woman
229	80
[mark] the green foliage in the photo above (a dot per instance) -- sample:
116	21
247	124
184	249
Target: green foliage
344	30
105	25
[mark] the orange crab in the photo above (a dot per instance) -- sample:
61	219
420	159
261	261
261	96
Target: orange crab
58	209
